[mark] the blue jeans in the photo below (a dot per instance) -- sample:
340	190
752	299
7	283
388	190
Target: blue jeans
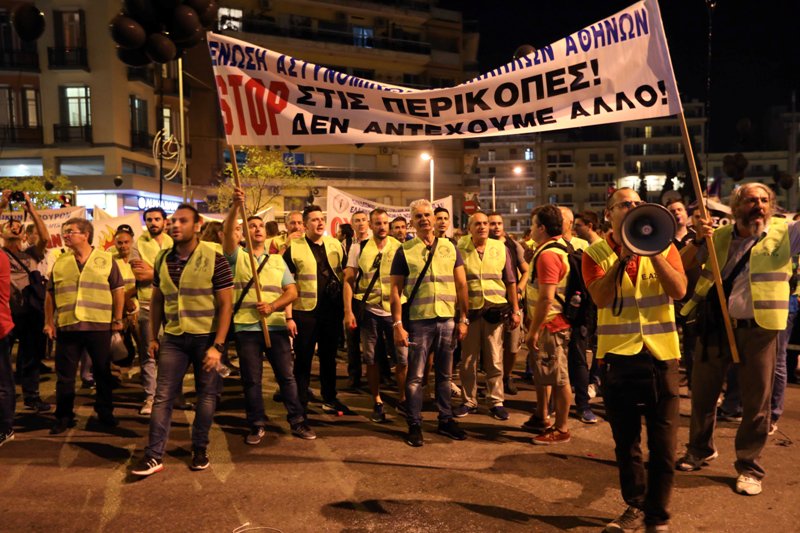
250	347
431	335
779	383
147	364
175	355
8	397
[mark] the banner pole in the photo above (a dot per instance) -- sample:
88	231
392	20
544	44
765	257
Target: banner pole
712	254
249	242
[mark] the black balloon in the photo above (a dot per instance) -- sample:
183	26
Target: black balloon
127	33
133	58
198	5
27	21
145	13
160	48
185	25
209	16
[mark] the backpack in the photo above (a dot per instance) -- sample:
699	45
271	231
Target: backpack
585	313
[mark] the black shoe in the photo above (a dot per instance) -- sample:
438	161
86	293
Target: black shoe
199	459
277	397
36	404
44	369
148	466
499	412
463	410
303	431
256	434
631	520
108	420
378	416
88	384
509	387
61	425
725	416
451	429
6	436
334	407
414	437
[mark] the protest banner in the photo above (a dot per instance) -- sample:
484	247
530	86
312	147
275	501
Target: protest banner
105	229
53	219
614	70
342	205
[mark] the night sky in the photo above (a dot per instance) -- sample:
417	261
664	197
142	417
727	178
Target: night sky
755	51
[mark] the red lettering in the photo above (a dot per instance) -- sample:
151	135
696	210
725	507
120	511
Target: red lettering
235	81
254	89
224	107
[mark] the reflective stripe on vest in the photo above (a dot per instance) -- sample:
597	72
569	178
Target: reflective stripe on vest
770	270
127	277
532	289
148	251
484	275
366	260
190	308
436	296
271	277
83	295
306	269
647	318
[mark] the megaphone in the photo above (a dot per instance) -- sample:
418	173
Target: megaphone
648	229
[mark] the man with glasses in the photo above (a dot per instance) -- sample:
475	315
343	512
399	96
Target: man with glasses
638	346
755	258
371	311
143	257
87	292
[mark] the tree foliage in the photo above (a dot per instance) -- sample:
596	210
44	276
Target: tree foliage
265	177
37	187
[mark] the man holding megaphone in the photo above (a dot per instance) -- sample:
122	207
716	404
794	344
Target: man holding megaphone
638	348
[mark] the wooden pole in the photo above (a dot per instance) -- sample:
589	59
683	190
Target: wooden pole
712	255
249	241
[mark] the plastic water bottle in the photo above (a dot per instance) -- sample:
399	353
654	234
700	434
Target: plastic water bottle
223	371
575	301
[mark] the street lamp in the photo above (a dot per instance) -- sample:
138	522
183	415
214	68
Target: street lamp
428	157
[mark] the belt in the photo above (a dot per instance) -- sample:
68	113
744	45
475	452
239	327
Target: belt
744	323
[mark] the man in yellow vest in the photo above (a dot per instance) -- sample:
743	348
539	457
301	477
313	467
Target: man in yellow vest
193	296
278	289
316	261
437	316
123	244
361	224
294	230
755	258
87	293
143	257
368	269
492	287
638	347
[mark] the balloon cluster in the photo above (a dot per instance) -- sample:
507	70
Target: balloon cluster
160	30
27	21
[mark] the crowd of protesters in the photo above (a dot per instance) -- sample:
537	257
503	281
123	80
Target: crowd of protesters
411	302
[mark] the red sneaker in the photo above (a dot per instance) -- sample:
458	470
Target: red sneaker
552	436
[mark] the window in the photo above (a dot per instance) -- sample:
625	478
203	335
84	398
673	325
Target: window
528	154
70	29
528	190
166	121
134	167
492	155
512	207
75	109
30	108
20	167
80	166
362	36
6	107
648	132
230	19
138	114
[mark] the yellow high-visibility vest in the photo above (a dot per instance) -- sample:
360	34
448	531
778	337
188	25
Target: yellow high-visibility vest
148	250
83	295
484	274
532	288
190	308
306	266
271	277
366	262
436	296
127	277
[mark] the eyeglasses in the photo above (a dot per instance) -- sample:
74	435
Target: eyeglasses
69	232
628	204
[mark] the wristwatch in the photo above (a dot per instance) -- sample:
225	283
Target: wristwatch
220	347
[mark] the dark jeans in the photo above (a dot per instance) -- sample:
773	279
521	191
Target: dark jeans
323	333
779	381
8	397
579	368
175	355
650	490
251	349
70	346
32	345
430	336
354	348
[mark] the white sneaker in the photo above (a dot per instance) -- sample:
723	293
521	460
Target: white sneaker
773	427
147	407
748	485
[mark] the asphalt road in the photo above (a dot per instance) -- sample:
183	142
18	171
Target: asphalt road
360	476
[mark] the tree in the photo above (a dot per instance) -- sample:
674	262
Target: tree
44	190
265	176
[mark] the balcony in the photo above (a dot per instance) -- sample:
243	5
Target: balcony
21	136
68	58
142	74
331	32
27	60
64	133
560	184
141	140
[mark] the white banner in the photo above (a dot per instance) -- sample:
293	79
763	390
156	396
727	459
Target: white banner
614	70
341	207
53	219
105	229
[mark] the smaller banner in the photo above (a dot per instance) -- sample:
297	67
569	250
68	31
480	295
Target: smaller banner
105	229
342	205
53	219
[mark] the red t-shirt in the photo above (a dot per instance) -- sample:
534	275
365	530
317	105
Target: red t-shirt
592	271
550	269
6	324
